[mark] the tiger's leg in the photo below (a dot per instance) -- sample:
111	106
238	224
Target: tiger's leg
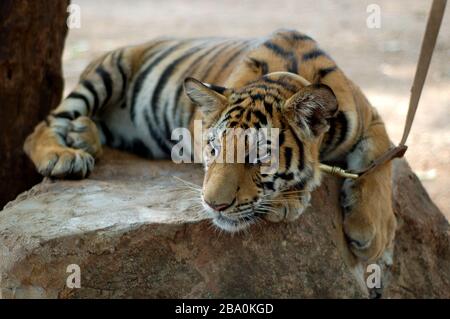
66	143
369	221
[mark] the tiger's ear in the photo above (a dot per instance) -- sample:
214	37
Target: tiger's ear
311	108
210	98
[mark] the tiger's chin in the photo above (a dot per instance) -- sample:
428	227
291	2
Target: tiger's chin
286	211
234	225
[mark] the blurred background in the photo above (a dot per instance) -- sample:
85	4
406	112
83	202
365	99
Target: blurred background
381	60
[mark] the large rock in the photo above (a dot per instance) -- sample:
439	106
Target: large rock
134	230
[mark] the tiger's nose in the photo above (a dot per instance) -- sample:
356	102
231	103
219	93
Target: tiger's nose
219	207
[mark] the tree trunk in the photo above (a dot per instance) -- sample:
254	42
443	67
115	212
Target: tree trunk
32	35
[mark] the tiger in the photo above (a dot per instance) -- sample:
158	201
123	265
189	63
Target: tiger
132	98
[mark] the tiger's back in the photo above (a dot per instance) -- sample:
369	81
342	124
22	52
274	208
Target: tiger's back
154	104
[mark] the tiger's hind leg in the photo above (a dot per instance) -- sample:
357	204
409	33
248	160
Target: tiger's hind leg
369	221
67	142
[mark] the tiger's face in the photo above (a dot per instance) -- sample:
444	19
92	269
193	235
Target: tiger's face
262	150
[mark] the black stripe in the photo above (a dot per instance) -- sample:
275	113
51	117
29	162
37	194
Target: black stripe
248	115
342	119
238	112
277	49
263	98
289	55
288	157
356	144
268	107
143	75
232	124
162	81
217	88
269	185
123	76
260	64
79	96
292	35
90	87
286	36
299	185
267	89
237	108
148	52
281	138
65	115
167	119
301	37
176	102
261	117
107	82
285	176
154	134
313	54
107	133
301	151
138	147
286	86
257	96
325	71
241	99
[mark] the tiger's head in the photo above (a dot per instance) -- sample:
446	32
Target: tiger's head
236	194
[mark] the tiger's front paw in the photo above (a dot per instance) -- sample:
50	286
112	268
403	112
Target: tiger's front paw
48	150
64	162
369	221
287	209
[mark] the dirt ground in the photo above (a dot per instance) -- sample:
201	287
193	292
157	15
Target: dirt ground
380	60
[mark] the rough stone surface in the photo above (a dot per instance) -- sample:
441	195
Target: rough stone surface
134	231
32	35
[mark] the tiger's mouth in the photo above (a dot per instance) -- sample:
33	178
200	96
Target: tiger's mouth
237	218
